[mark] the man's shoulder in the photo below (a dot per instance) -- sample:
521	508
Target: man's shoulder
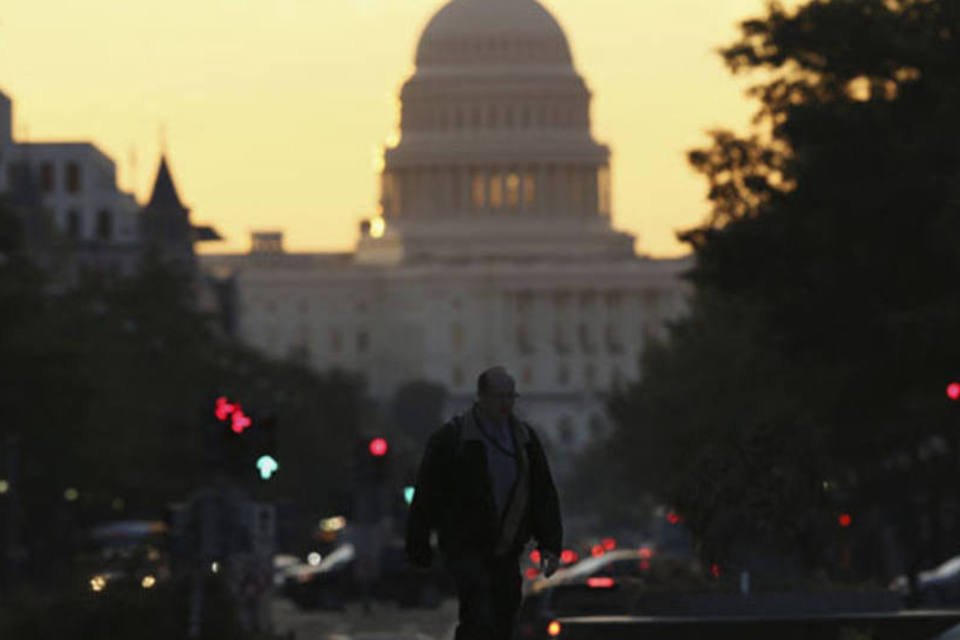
447	434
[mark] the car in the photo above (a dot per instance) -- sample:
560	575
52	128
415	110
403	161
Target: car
619	582
934	587
126	555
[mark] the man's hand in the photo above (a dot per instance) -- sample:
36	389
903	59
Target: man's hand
549	563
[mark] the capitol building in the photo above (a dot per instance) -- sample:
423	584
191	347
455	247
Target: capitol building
494	242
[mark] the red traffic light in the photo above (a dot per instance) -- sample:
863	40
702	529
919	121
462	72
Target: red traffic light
844	520
223	408
378	447
953	391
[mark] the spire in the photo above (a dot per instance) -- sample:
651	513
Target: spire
164	197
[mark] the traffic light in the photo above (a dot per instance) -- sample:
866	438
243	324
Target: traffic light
378	447
267	465
266	443
243	444
953	391
371	491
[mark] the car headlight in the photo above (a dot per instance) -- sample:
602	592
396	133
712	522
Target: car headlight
98	583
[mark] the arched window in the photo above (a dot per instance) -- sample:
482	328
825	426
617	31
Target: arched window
104	224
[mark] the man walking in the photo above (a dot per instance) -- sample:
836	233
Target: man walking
485	487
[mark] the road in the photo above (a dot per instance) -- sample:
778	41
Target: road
384	621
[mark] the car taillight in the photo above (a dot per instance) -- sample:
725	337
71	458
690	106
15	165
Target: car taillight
600	582
569	556
553	629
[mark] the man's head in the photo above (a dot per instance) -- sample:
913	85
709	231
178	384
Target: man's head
496	393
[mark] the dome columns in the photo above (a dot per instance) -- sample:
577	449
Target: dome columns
549	189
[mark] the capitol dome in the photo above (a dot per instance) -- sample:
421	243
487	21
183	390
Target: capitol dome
493	32
495	156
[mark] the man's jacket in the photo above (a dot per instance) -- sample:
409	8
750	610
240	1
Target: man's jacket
454	496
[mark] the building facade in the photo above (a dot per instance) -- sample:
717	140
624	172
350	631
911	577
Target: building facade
97	226
493	245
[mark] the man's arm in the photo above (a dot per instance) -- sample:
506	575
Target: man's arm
423	510
547	523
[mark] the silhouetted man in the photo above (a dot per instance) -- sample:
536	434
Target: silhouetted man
485	487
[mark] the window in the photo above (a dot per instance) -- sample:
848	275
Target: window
336	341
46	177
477	190
529	190
526	377
563	374
586	340
104	224
513	191
524	342
363	341
73	177
73	224
496	191
614	341
590	375
560	342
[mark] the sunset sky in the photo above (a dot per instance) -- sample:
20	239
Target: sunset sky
274	110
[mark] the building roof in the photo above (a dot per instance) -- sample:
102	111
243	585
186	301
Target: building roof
493	32
164	196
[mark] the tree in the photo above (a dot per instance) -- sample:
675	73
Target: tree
821	326
107	389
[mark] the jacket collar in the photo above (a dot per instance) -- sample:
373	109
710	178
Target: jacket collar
471	427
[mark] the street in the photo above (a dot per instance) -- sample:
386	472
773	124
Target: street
384	621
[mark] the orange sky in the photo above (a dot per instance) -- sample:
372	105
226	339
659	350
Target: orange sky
274	109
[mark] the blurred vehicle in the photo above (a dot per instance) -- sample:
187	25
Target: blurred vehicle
331	583
934	587
530	565
126	554
283	566
617	582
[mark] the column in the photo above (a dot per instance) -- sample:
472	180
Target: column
592	206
